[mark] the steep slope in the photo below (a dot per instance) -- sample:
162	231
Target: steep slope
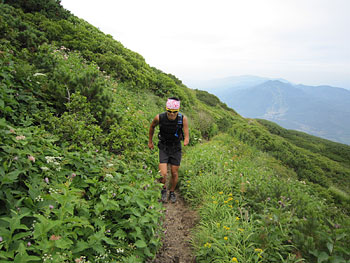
78	182
77	178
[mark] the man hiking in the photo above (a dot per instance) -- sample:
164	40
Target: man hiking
173	127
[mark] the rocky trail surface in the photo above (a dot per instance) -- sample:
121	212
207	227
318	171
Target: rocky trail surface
178	222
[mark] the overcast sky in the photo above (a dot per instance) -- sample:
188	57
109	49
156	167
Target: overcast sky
303	41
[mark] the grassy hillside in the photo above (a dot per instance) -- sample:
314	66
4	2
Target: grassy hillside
309	165
335	151
253	209
78	183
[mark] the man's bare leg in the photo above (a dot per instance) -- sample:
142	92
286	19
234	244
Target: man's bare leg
163	168
174	177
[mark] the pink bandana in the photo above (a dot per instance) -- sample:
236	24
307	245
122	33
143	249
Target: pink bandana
172	104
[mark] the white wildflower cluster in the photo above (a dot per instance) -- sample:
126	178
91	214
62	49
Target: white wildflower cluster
54	160
101	217
61	49
132	246
20	137
33	227
110	164
120	250
44	168
109	176
61	52
39	198
47	257
53	191
101	258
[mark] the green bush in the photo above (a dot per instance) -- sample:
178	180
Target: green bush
63	205
50	8
207	98
77	126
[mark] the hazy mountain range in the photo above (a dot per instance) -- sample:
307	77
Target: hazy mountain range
323	111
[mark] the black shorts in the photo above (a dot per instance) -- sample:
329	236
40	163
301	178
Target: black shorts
170	153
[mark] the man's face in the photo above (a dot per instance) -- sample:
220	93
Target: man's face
172	114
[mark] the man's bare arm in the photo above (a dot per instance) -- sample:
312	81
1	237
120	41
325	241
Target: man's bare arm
186	132
154	123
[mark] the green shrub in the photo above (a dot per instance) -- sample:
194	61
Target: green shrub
50	8
339	195
207	98
63	205
77	126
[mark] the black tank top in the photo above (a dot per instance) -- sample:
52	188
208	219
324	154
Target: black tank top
167	129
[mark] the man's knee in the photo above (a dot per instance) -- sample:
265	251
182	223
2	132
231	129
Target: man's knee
163	172
175	170
163	168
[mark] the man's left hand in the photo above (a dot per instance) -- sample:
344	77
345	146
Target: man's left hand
186	142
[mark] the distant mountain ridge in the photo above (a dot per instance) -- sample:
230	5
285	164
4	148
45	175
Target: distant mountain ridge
235	82
322	111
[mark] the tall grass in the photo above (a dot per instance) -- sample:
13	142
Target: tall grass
252	213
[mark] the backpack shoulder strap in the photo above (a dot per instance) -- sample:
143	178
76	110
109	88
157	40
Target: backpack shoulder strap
180	119
179	130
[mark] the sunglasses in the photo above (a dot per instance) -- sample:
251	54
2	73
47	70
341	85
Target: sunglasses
172	111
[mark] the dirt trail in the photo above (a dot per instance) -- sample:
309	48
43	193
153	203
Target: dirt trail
179	220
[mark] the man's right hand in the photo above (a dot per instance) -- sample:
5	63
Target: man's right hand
151	145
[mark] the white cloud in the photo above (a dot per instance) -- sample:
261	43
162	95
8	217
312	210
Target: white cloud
302	41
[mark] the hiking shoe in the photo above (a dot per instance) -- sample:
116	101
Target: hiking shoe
164	195
172	197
